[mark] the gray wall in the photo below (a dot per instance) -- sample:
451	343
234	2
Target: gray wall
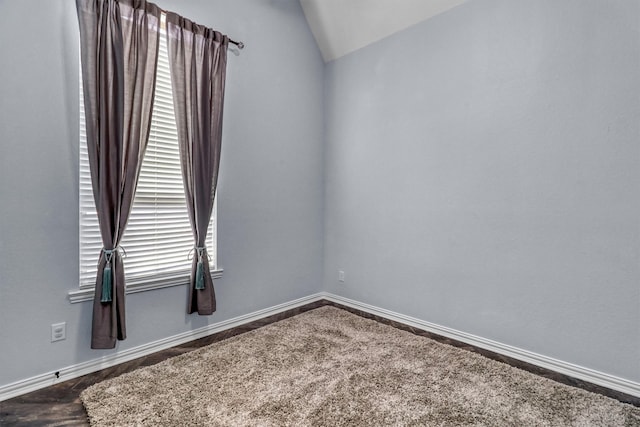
483	173
270	189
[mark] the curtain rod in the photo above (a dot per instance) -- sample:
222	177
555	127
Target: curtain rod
239	44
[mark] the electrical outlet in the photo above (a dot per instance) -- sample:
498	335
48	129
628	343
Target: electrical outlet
58	331
341	276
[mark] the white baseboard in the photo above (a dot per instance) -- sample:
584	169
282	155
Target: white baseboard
566	368
47	379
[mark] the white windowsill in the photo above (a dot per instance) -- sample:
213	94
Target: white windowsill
86	294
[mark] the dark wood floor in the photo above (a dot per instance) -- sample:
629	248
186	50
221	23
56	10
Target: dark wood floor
60	405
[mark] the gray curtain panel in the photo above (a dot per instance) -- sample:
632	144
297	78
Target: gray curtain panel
198	61
119	52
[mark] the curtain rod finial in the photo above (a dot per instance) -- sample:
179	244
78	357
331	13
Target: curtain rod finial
239	45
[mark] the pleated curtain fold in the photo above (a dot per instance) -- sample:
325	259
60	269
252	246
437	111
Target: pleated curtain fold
198	61
119	52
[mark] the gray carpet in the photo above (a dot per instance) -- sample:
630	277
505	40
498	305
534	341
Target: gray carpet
328	367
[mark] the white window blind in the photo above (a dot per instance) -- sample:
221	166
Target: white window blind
158	236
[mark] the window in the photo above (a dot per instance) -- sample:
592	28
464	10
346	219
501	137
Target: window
158	237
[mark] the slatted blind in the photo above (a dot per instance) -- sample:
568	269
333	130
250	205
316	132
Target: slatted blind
158	236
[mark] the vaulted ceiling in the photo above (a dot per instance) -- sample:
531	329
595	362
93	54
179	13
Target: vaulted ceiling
342	26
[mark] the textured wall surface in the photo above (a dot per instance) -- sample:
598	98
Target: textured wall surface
483	173
270	188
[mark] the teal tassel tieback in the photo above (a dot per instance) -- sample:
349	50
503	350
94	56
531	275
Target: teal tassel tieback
200	275
106	284
107	277
200	251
